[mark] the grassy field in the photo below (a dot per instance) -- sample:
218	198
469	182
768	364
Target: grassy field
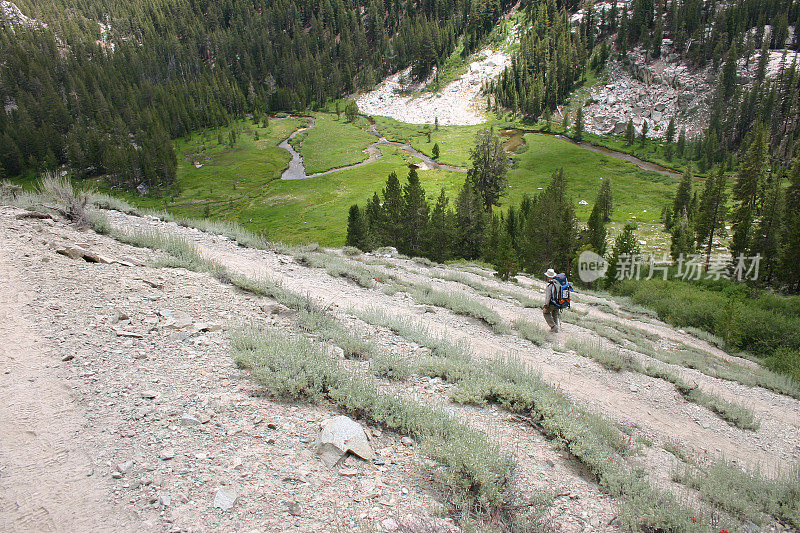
333	143
243	183
637	194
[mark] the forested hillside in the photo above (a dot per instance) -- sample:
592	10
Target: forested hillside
559	47
101	86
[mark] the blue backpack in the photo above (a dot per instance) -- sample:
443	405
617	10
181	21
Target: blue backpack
561	294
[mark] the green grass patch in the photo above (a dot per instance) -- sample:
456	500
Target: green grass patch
414	331
760	322
612	359
594	441
333	143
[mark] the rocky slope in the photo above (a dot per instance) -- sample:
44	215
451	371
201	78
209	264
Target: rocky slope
119	398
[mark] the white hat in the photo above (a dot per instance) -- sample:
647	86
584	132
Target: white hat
550	273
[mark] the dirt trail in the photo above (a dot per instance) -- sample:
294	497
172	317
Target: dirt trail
649	404
46	477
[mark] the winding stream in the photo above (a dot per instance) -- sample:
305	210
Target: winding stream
641	163
297	170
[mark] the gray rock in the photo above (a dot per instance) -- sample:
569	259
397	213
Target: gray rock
148	394
341	435
294	508
167	454
225	498
407	441
132	260
390	524
125	467
164	499
189	420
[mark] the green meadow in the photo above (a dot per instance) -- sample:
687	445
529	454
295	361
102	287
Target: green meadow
243	183
333	142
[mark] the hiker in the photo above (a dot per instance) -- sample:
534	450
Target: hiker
556	298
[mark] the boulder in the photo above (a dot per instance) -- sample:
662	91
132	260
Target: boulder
342	435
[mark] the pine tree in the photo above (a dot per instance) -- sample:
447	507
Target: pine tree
565	122
374	222
435	151
789	270
392	208
681	146
746	191
578	128
441	230
414	218
471	221
682	242
489	167
766	240
356	230
712	211
630	133
605	200
596	230
681	203
551	231
643	136
625	248
351	110
505	261
669	137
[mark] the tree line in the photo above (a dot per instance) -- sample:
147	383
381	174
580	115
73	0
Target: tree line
542	231
107	101
554	57
761	212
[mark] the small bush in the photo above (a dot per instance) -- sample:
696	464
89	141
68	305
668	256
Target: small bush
392	367
610	359
747	495
180	254
424	261
106	201
98	222
458	304
73	204
351	251
530	331
414	331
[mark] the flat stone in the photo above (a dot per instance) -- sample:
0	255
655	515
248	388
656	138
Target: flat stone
189	420
294	508
167	454
131	260
148	394
225	498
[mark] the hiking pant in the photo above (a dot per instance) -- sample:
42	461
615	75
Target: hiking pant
551	316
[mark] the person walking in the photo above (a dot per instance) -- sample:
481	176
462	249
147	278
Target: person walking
556	298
